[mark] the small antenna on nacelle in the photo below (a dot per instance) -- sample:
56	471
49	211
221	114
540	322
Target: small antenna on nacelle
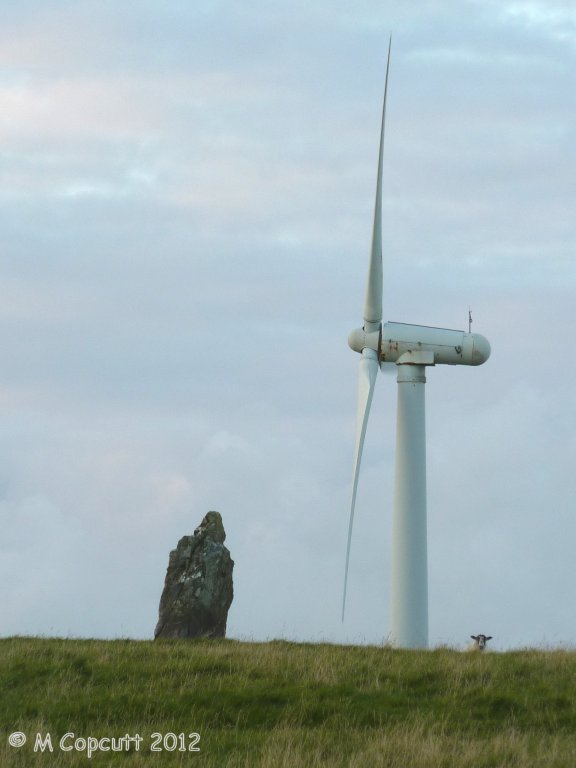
469	320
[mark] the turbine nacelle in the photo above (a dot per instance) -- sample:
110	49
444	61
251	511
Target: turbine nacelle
421	344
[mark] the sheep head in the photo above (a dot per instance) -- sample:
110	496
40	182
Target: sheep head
480	641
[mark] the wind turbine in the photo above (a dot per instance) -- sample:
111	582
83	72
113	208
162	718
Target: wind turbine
412	348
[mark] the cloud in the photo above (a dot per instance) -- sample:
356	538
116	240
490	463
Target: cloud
187	202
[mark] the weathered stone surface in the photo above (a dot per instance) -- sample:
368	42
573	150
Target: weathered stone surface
198	586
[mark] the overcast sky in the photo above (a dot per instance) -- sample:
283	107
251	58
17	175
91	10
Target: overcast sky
186	202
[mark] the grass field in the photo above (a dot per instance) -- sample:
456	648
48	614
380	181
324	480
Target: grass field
279	704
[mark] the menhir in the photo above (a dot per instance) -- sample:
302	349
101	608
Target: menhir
198	586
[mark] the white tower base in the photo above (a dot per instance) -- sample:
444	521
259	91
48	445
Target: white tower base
409	598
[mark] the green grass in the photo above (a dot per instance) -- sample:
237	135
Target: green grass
279	704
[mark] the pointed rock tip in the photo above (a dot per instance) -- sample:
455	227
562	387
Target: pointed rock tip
212	526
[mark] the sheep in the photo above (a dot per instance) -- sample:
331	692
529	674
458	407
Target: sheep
479	643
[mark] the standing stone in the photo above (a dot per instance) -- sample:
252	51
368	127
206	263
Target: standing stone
198	586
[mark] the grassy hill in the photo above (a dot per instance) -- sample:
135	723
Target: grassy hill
279	704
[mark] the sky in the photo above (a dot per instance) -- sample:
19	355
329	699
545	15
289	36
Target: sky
186	204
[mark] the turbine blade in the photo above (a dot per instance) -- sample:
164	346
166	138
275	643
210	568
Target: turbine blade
366	380
373	301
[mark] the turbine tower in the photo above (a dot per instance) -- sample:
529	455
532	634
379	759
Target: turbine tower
412	348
